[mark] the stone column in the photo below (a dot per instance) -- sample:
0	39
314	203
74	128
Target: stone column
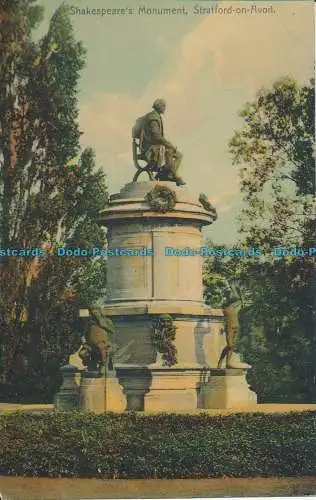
141	288
164	278
135	381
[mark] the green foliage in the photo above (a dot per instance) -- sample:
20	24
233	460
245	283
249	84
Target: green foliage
279	334
50	193
275	154
219	273
89	281
170	446
277	321
277	141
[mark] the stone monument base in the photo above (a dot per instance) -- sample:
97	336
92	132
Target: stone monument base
67	398
135	381
184	388
159	388
92	393
155	388
225	388
86	391
115	399
100	394
172	389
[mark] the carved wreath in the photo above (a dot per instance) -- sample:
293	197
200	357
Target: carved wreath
161	199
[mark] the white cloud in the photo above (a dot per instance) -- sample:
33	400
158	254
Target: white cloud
217	67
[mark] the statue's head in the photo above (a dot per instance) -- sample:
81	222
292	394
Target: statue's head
159	105
165	321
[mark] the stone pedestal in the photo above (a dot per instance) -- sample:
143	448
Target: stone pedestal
92	393
157	388
115	399
165	277
135	381
67	397
225	388
173	389
141	288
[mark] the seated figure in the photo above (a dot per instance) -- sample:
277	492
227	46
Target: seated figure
160	155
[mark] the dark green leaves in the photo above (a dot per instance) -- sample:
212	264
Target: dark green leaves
112	446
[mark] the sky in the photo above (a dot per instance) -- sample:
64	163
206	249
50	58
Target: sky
206	66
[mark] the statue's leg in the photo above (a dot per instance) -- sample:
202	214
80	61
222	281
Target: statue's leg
173	160
103	356
222	357
233	360
153	154
230	341
169	163
150	175
177	158
229	357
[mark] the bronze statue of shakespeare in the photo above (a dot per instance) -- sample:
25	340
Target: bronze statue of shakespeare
151	146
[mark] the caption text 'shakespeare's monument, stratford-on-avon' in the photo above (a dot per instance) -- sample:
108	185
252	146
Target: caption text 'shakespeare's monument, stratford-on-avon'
172	351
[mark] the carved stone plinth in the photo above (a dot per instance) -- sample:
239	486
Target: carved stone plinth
67	397
173	389
115	399
154	267
92	393
159	388
135	381
158	280
225	388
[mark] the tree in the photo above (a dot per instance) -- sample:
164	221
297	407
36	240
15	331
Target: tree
50	190
277	330
275	155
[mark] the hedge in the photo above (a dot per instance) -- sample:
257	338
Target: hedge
131	445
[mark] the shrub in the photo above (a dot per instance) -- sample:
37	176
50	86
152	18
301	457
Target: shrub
132	445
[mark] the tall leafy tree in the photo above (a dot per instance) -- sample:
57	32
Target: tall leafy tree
50	190
275	154
277	321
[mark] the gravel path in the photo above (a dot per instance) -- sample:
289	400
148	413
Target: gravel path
19	488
